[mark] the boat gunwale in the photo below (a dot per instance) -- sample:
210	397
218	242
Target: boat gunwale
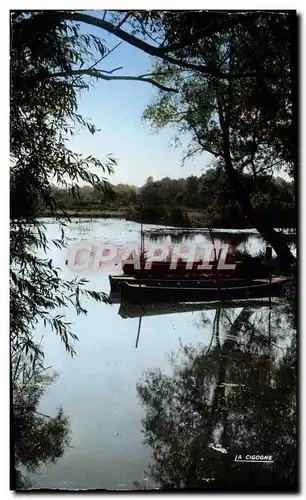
261	283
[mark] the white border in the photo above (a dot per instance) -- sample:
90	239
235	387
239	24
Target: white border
4	212
157	5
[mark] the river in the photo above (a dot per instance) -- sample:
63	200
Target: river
201	388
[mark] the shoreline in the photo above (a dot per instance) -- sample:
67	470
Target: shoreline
122	214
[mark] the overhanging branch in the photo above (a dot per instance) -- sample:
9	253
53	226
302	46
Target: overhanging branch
156	51
101	75
136	42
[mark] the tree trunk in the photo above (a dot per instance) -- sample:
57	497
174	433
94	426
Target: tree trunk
275	239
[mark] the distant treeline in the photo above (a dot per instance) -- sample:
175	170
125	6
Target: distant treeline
195	201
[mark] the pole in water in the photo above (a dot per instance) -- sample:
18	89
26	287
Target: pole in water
136	345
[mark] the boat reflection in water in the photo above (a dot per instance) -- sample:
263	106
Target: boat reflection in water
135	311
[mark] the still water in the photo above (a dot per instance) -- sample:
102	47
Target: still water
201	388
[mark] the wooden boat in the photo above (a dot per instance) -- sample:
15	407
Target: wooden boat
180	281
138	311
143	294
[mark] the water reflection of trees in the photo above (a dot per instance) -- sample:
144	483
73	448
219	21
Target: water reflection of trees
38	439
233	239
240	241
236	396
182	237
237	241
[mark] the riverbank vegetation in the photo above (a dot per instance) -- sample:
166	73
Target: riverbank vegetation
205	201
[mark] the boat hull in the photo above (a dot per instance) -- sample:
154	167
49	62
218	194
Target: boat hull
183	281
145	294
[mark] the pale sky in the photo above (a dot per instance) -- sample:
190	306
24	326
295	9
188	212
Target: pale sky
116	108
